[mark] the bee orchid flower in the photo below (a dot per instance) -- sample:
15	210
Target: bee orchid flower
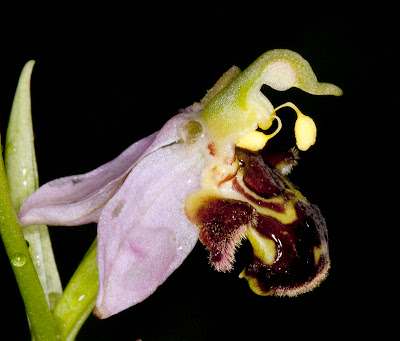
209	174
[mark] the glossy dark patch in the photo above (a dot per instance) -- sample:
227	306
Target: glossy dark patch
258	176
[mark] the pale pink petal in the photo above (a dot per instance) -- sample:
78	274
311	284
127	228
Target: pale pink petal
143	232
78	199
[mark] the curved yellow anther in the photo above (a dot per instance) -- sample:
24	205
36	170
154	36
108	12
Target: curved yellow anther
305	129
256	140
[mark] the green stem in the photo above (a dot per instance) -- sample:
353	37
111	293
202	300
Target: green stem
42	323
79	297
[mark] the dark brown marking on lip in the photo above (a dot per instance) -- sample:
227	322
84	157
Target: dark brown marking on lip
223	223
295	269
301	258
279	159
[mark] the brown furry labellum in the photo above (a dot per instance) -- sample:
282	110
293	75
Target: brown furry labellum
287	233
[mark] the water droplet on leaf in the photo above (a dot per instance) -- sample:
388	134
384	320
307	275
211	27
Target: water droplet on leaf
18	260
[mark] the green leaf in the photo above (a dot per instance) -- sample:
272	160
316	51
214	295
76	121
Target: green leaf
22	174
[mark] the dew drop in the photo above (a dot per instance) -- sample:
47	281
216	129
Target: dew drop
18	260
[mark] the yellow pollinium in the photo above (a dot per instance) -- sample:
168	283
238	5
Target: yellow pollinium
304	129
305	132
235	112
253	141
256	140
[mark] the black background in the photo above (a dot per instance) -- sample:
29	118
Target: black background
108	74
